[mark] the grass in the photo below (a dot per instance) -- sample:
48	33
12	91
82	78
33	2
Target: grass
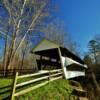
56	90
5	87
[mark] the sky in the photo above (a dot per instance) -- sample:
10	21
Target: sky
82	18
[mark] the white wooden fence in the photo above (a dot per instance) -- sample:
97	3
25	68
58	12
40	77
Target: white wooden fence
48	76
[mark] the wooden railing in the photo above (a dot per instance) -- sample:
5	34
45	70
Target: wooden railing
11	72
42	78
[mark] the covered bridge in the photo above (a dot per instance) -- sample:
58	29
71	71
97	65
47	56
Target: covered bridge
52	55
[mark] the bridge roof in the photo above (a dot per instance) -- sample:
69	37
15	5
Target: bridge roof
50	49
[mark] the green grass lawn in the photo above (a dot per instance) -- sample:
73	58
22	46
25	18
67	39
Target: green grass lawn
5	87
56	90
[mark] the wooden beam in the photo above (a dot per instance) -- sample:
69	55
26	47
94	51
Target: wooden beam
56	74
14	86
35	74
35	87
59	51
32	81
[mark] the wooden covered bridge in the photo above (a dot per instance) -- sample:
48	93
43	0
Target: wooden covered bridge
54	56
53	62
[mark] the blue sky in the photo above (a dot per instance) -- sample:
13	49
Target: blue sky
82	18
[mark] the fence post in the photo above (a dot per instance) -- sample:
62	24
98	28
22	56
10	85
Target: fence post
49	76
14	86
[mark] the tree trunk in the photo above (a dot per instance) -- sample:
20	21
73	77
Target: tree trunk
96	85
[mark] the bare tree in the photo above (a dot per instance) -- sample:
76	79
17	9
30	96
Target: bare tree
57	32
22	18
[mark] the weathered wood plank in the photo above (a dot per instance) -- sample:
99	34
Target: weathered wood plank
35	74
32	81
35	87
53	79
52	71
14	86
39	73
56	74
30	89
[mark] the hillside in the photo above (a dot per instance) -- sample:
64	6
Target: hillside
57	90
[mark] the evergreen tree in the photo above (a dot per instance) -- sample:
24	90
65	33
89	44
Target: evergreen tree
94	49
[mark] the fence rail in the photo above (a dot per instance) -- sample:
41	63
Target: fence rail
44	76
10	72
